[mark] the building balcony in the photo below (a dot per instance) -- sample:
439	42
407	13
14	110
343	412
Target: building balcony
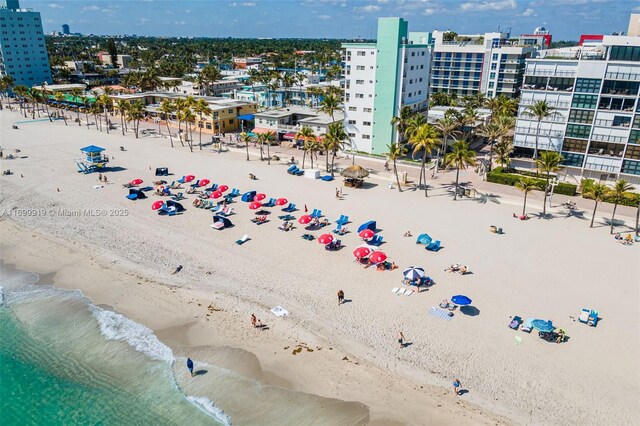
622	76
550	119
511	70
508	80
527	102
547	88
542	132
549	73
513	61
613	123
609	138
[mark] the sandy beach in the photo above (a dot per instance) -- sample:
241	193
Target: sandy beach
350	360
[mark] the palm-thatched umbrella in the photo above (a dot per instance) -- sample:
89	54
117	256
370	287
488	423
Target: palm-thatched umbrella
354	175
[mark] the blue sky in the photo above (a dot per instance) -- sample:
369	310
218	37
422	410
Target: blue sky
566	19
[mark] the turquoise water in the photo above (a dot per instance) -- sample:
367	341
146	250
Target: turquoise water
65	361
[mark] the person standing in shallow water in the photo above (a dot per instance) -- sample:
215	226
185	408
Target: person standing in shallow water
190	366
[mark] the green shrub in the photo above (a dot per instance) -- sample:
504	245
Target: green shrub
498	175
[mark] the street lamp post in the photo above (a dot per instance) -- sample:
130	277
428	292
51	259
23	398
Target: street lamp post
553	183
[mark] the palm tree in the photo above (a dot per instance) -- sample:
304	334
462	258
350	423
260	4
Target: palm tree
540	110
334	141
414	124
526	186
503	152
447	127
400	122
96	110
6	83
424	139
492	131
122	106
21	91
85	100
180	105
44	97
330	105
189	118
136	113
305	134
288	80
619	188
77	94
201	108
267	138
598	192
244	137
59	97
460	157
167	108
396	151
549	162
311	146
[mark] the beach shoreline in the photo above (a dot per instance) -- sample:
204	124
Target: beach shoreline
126	262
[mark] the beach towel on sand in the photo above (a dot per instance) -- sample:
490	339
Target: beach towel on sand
440	313
279	311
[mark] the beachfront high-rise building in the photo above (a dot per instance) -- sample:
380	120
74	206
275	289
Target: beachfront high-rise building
65	29
23	52
380	79
481	63
595	94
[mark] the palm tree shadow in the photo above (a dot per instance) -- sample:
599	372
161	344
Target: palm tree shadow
484	198
578	214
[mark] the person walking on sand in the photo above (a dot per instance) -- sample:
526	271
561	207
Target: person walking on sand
190	366
340	297
254	320
337	193
456	386
401	339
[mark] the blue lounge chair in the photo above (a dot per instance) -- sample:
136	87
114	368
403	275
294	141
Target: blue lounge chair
212	188
248	197
179	196
182	179
343	220
290	208
376	240
243	240
433	246
136	194
527	326
292	169
316	213
170	208
270	203
196	184
368	225
338	228
424	239
234	193
286	217
327	178
146	188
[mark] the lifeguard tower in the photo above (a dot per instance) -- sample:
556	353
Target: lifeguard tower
93	159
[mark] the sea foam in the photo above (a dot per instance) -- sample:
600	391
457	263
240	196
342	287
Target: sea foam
209	407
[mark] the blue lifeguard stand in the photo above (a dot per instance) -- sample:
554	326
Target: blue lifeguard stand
93	159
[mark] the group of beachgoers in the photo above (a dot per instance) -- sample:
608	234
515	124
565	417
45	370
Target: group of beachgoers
628	240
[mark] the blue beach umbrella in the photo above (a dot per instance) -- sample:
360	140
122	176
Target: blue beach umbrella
542	325
461	300
413	273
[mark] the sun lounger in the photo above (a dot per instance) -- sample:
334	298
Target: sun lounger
527	326
196	184
290	208
270	203
227	211
337	230
394	290
316	213
441	313
234	193
248	196
376	240
343	220
327	178
433	246
182	179
515	322
291	169
286	217
400	292
242	240
279	311
179	196
408	292
589	317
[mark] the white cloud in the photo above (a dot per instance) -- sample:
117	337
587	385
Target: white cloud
180	22
90	8
429	11
55	6
636	9
187	11
488	5
242	4
529	12
324	17
369	8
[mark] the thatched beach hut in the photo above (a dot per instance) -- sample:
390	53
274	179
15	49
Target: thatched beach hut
354	176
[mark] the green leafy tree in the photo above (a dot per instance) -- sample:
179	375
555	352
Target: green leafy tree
539	110
619	188
122	105
424	139
503	150
59	97
598	192
305	134
166	109
526	186
396	151
245	138
201	108
334	141
549	162
460	157
401	121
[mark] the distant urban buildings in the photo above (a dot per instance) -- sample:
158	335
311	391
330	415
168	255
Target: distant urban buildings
247	63
23	52
65	29
380	79
595	93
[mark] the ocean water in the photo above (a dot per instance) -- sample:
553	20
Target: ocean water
66	361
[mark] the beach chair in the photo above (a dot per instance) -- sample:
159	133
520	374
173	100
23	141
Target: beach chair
290	208
527	326
343	220
368	225
515	322
292	169
433	246
316	214
589	317
196	184
182	179
270	203
242	240
327	178
234	193
179	196
337	230
376	240
227	211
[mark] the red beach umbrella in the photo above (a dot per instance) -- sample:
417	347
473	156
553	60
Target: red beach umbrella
255	205
223	188
281	202
215	194
260	197
366	234
305	219
378	257
361	252
189	178
325	238
204	182
157	205
136	182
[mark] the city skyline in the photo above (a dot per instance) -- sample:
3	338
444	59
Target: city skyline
344	19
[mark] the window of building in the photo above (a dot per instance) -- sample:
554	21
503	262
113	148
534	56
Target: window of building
352	135
574	145
492	75
636	121
366	123
366	109
624	53
359	96
351	108
352	122
412	67
631	167
361	53
581	116
572	160
633	151
584	101
359	81
578	131
491	84
495	57
494	66
413	53
490	93
588	85
634	137
366	137
360	67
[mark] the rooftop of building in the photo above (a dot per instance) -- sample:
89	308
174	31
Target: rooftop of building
312	116
214	101
61	87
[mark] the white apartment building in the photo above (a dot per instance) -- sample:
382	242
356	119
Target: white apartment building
380	79
480	63
596	127
23	52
